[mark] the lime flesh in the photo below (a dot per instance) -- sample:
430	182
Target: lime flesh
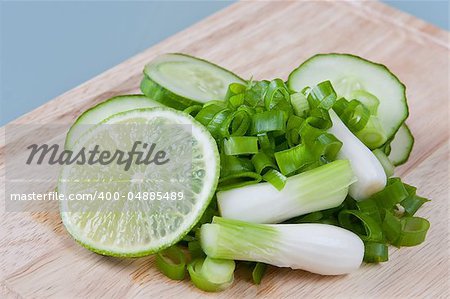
128	217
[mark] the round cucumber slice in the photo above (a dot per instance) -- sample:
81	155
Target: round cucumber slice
348	73
137	225
179	80
104	110
401	146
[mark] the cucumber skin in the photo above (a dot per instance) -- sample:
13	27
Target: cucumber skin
158	93
410	148
170	99
391	136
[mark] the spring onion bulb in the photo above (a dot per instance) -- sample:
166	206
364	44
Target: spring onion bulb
318	248
318	189
370	175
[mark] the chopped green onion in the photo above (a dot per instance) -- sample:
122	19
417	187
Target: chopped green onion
203	281
230	165
362	224
375	252
195	250
275	178
234	89
293	126
258	272
385	162
355	116
236	124
262	162
239	180
277	95
172	263
369	207
412	204
293	159
391	227
322	96
193	110
372	135
268	121
240	145
393	194
368	99
299	104
413	231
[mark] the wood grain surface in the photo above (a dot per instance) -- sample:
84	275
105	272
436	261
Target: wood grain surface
263	40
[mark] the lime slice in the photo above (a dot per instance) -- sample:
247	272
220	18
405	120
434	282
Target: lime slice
137	211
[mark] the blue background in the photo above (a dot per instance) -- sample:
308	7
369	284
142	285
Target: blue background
48	48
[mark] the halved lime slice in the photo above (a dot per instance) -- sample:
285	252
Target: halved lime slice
135	209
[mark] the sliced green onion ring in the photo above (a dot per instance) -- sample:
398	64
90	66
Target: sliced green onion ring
375	252
195	269
172	263
361	224
258	272
240	145
275	178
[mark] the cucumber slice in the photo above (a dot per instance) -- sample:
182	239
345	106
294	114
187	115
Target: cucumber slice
104	110
401	146
182	189
179	80
348	73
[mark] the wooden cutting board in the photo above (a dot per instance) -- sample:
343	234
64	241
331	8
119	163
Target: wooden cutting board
263	40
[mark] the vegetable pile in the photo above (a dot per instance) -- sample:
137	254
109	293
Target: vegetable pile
306	167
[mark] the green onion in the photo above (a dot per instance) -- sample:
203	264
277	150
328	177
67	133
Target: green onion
322	96
391	227
209	278
275	178
293	126
172	263
299	104
238	180
368	99
362	224
413	202
193	110
195	250
277	96
355	116
375	252
302	194
368	170
268	121
318	248
230	165
406	231
413	231
370	208
262	162
372	135
385	162
393	194
258	272
240	145
293	159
